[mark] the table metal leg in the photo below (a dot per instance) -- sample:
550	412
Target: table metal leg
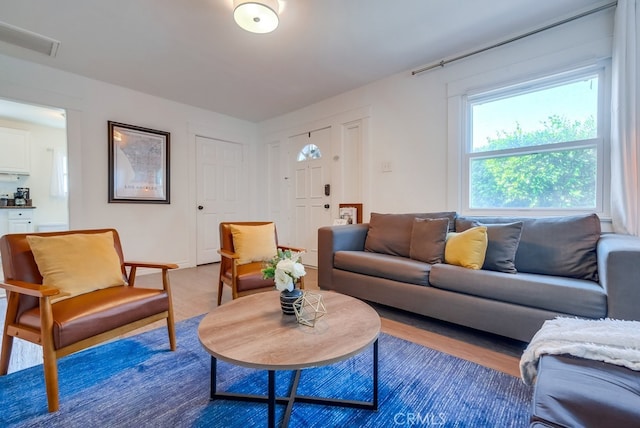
293	397
357	404
214	365
272	399
375	375
293	388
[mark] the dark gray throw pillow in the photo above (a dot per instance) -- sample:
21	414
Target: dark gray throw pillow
428	238
391	233
501	249
503	241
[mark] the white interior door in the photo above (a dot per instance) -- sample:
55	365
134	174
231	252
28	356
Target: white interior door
312	204
218	182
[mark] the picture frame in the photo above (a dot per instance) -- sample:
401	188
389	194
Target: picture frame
350	212
138	164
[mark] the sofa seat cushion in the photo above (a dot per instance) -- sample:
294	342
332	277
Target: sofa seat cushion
575	392
559	294
249	277
395	268
93	313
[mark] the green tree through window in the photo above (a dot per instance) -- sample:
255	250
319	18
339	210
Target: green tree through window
549	178
537	145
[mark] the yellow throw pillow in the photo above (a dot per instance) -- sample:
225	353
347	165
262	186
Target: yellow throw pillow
467	249
77	263
254	243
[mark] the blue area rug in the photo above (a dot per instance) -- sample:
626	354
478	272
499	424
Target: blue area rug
138	382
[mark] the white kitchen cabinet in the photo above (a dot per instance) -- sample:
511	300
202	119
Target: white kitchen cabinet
15	220
20	221
15	151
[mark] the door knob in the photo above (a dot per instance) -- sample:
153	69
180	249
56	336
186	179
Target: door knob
200	207
327	206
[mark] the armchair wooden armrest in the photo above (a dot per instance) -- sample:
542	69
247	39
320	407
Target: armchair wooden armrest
134	265
294	249
151	265
29	289
228	254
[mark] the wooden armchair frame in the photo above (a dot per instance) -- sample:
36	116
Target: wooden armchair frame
27	297
231	271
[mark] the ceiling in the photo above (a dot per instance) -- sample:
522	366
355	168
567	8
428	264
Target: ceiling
192	51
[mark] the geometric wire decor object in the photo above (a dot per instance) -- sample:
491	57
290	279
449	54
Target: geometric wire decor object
309	308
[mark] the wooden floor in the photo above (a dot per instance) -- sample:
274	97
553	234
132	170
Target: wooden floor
195	292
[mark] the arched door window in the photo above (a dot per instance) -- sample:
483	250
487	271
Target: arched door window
308	152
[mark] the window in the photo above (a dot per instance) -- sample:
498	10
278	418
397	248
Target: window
536	145
310	151
65	176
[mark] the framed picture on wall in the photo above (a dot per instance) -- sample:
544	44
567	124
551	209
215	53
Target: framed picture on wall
138	164
352	213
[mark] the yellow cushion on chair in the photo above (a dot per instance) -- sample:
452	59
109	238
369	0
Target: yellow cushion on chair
77	263
254	243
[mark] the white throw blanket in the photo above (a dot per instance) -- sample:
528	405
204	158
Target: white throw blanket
612	341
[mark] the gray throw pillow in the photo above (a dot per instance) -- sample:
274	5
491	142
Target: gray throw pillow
502	247
391	233
428	238
503	241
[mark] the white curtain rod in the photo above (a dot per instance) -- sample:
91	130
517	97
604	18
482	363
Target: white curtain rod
513	39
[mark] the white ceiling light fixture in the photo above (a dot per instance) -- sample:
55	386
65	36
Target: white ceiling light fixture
256	16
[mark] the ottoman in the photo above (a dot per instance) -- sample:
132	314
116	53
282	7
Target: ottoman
576	392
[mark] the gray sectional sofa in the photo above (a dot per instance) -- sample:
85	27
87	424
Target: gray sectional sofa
534	269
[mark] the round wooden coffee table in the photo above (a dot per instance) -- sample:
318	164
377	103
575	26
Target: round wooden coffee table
252	332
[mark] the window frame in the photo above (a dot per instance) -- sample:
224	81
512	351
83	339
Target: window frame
527	85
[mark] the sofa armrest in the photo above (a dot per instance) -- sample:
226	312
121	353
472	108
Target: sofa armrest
337	238
619	270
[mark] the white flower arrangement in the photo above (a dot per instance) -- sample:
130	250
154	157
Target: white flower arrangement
285	269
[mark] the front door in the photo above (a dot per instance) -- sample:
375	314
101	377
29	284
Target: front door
218	176
311	189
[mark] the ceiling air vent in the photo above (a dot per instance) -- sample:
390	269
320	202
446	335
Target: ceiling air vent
28	39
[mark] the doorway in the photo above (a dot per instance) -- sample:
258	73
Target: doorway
47	177
311	189
219	193
43	131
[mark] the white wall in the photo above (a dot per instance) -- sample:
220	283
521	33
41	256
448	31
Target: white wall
409	114
148	231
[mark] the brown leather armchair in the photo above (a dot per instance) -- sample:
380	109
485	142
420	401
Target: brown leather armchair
67	326
244	279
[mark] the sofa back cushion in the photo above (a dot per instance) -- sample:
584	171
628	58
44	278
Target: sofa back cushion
428	237
391	233
561	246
